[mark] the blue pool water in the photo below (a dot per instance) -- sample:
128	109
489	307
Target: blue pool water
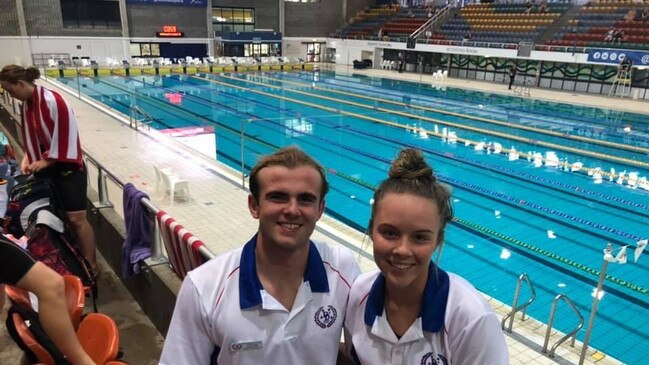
355	125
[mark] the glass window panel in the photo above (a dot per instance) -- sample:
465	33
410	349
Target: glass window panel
317	48
237	16
249	15
265	49
227	15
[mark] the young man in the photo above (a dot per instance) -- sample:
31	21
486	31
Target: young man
280	299
19	269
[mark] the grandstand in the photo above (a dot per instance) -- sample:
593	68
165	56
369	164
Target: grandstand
590	25
559	44
500	23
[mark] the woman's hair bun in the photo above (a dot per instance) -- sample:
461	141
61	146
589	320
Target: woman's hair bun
410	164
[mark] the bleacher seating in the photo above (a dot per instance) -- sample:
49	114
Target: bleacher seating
368	22
508	24
501	23
589	27
392	21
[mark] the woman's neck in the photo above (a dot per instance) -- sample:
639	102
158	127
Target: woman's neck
402	310
29	92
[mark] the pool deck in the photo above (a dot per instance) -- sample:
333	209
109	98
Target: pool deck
217	211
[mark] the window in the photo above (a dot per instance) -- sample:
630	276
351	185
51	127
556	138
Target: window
261	49
91	14
233	20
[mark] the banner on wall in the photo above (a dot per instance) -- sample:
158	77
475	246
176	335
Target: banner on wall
615	56
170	2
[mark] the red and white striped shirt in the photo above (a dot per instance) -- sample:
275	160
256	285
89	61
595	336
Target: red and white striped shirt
50	129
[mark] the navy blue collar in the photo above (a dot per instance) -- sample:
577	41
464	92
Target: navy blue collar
433	307
250	287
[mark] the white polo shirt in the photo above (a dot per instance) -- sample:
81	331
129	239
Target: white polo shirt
224	316
456	326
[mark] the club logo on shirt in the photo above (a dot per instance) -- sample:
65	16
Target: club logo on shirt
325	317
430	359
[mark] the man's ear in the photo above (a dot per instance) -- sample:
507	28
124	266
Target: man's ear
321	208
253	206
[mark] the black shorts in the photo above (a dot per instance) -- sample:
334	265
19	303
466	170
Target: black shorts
71	183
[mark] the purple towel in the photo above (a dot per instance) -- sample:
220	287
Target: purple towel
137	246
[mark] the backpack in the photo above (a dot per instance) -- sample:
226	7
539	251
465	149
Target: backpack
28	197
33	322
57	250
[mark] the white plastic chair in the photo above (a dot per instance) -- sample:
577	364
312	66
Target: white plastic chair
176	184
168	179
158	176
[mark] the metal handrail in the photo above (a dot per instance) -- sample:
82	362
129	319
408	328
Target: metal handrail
515	307
431	21
156	243
104	199
135	110
572	333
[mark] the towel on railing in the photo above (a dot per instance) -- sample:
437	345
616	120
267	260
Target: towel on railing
137	246
182	247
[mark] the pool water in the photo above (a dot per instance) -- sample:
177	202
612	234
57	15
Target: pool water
511	217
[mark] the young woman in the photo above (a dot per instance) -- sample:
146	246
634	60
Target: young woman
411	311
52	147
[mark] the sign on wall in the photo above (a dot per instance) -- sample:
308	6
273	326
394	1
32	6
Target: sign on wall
169	2
616	56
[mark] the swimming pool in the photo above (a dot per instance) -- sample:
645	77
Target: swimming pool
505	209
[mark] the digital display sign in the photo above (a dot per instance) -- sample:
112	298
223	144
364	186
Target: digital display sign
169	31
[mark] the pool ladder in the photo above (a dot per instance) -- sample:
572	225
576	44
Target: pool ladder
572	333
515	309
134	121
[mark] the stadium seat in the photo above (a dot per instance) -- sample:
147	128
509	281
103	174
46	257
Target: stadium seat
99	337
75	297
39	352
18	296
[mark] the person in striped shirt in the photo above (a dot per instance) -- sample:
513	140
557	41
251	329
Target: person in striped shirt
52	147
